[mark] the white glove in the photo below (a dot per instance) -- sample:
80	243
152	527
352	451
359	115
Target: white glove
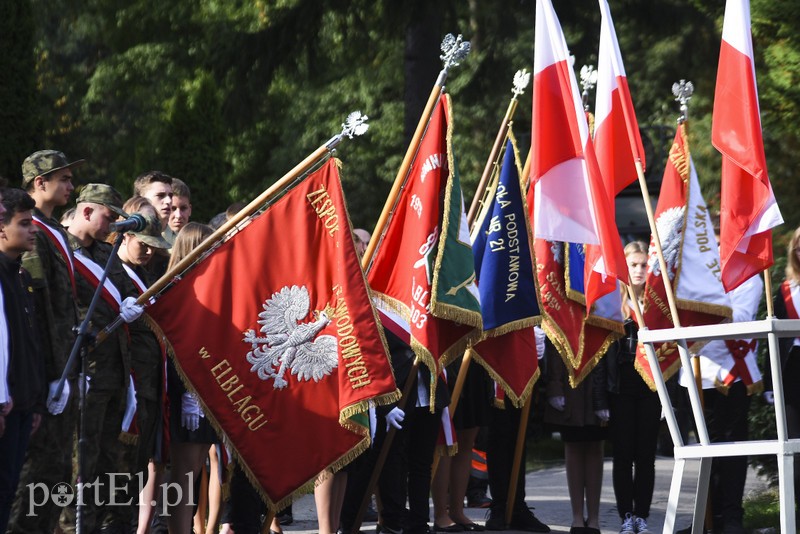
394	418
190	411
769	397
129	310
603	415
56	406
558	403
130	406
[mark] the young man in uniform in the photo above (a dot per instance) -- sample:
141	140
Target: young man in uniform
47	177
108	364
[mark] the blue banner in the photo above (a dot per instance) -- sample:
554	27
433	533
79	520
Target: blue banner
575	265
501	248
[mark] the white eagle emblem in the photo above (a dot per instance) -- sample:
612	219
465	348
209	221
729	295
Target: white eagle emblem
669	227
289	344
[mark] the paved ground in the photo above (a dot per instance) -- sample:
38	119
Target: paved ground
546	491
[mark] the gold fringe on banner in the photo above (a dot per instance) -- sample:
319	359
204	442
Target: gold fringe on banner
517	401
306	487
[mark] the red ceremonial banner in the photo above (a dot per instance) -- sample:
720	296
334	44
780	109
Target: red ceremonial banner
276	333
581	341
403	271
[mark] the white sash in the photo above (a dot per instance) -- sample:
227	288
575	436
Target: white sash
93	273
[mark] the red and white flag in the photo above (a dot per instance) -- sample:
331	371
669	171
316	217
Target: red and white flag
748	210
616	135
570	202
687	239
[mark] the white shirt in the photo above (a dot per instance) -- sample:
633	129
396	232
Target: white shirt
716	361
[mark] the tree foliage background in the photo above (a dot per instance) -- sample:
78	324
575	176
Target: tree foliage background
230	94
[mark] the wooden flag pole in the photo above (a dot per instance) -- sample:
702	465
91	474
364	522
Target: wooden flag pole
517	465
266	526
454	50
683	92
526	409
521	80
384	452
355	124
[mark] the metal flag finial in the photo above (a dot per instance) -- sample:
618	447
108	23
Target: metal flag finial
588	81
454	50
355	124
521	80
683	91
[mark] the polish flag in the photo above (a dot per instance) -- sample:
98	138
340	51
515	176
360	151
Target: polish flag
570	202
748	209
616	134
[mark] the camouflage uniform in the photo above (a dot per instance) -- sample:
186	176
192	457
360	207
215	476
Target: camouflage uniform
49	457
107	368
148	368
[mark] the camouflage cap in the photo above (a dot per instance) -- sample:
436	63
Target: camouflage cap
44	162
102	194
151	235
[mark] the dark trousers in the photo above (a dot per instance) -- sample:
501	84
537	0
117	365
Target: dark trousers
407	471
726	417
503	429
102	457
358	476
45	466
635	422
13	445
791	375
244	508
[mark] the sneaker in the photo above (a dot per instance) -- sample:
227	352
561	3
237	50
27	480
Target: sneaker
524	520
627	525
640	524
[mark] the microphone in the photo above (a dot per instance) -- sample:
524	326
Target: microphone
134	223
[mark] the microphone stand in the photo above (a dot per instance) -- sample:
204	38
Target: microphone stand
83	340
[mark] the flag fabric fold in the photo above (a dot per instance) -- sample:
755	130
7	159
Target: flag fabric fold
580	340
276	333
748	210
687	239
501	247
570	202
422	274
617	141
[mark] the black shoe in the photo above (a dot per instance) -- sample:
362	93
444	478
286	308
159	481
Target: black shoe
496	520
524	520
285	519
455	527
